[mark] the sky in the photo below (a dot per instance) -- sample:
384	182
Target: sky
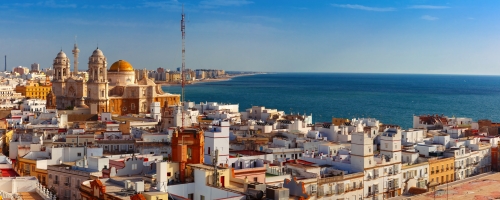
413	36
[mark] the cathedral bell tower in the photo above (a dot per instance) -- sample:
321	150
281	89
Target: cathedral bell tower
97	86
61	73
61	67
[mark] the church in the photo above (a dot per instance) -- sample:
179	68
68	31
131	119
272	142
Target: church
115	90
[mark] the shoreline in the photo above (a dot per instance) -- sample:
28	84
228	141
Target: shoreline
207	80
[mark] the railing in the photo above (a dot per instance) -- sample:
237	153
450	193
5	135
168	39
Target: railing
67	184
44	192
56	182
6	195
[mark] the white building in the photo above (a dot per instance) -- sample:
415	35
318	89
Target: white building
33	105
413	135
217	138
463	162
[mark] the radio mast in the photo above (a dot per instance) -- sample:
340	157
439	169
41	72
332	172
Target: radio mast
183	76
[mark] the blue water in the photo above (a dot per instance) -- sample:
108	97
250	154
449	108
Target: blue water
391	98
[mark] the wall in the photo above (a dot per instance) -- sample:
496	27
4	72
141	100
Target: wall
182	189
19	184
133	166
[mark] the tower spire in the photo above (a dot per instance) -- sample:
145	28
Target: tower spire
75	58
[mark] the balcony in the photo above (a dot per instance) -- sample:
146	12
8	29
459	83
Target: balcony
56	182
392	188
432	172
375	176
67	184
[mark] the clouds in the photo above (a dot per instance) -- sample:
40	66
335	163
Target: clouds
427	7
361	7
429	18
387	9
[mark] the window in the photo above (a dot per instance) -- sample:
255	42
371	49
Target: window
255	179
188	153
79	154
202	197
134	166
169	174
132	106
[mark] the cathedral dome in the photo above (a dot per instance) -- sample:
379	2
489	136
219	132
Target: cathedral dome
121	66
61	54
97	53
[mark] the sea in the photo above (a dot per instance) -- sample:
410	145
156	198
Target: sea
390	98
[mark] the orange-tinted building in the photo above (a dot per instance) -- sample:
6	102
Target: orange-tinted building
187	148
494	159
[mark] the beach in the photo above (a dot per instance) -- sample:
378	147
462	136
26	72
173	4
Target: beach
226	78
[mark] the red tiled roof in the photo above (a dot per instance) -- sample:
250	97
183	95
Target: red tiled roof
8	173
248	152
299	161
116	164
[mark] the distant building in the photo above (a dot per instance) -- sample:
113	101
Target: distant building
21	70
35	67
35	90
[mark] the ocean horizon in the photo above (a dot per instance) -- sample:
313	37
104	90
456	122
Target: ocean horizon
390	98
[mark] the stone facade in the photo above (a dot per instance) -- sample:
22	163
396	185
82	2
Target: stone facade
119	93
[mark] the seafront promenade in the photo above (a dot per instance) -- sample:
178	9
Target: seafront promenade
479	187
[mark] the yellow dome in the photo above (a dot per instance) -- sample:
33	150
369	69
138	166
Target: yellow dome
121	66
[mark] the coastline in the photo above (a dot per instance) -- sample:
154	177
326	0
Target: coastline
227	78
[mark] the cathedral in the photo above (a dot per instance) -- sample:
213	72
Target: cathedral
116	90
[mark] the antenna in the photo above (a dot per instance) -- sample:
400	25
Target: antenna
183	79
5	62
